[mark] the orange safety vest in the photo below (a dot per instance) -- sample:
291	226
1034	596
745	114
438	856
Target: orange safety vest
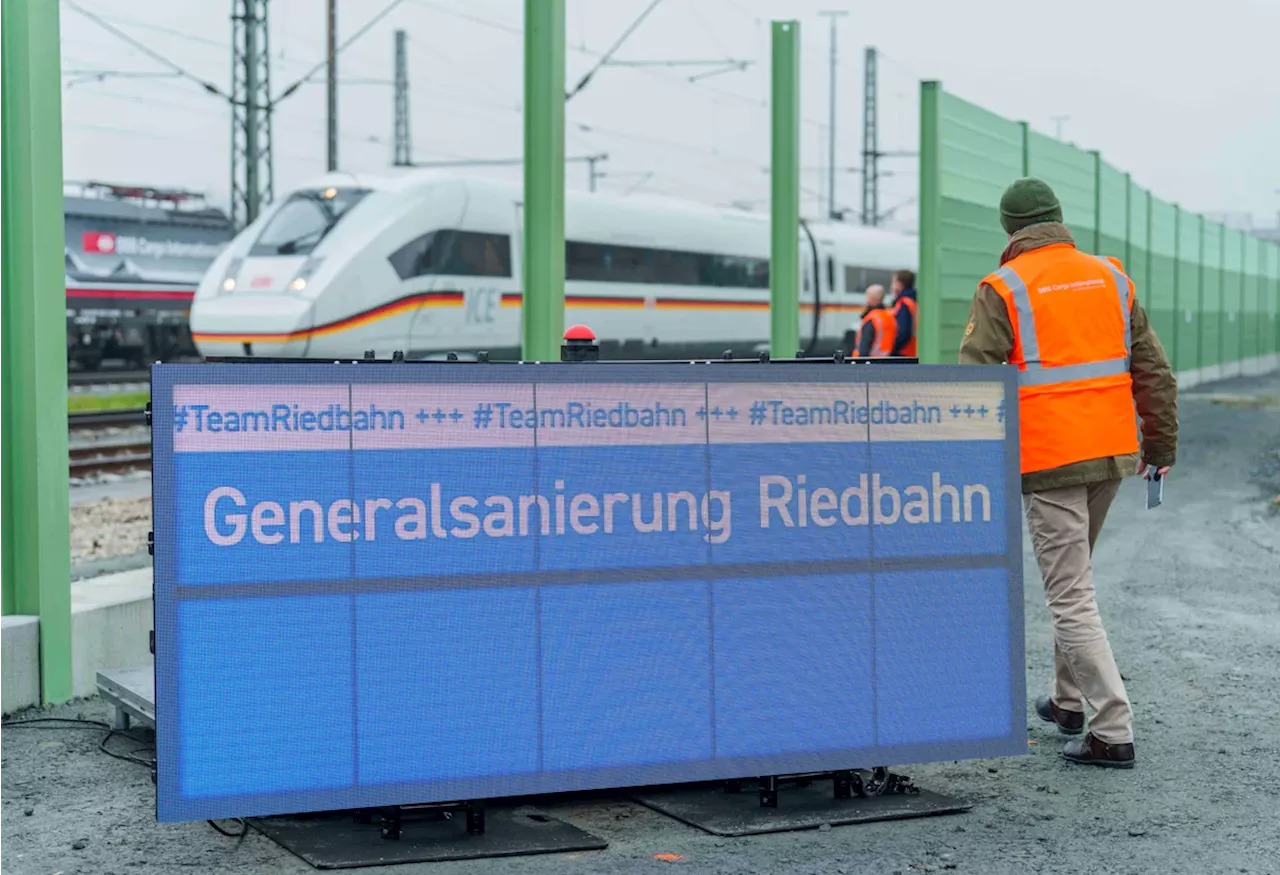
886	328
909	348
1071	342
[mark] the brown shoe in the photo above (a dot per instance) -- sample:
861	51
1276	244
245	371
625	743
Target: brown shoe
1069	722
1089	751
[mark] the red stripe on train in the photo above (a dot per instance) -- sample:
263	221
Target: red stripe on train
126	294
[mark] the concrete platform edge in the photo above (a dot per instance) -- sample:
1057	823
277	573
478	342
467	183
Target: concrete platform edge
20	661
111	622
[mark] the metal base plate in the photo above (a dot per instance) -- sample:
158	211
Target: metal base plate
710	808
334	840
133	693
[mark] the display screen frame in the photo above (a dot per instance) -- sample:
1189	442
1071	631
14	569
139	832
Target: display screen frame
172	805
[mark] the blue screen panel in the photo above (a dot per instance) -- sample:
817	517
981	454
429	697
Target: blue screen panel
793	665
258	677
441	513
644	647
418	719
954	690
649	516
406	584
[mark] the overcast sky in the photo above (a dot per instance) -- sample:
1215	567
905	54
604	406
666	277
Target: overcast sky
1185	94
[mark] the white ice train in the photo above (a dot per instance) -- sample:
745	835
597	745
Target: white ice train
428	263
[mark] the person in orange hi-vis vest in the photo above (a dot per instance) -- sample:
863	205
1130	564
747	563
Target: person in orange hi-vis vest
1086	358
878	328
904	311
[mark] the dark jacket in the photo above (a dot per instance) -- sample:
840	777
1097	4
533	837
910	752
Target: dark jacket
906	325
988	340
867	333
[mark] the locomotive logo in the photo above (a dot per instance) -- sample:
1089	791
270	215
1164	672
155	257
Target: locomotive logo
106	243
96	241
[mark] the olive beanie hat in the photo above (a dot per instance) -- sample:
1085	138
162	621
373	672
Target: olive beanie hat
1028	202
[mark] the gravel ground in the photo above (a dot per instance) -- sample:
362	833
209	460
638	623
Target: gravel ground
132	485
1191	596
109	527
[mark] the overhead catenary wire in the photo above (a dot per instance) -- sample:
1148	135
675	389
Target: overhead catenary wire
209	86
617	44
223	45
386	10
146	50
701	155
757	102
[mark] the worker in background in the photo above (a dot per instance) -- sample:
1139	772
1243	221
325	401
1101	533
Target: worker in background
1085	354
875	336
904	311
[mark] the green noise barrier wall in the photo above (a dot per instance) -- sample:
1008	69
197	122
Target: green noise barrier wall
1212	292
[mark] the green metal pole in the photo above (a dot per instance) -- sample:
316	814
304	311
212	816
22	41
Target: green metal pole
1128	210
784	204
543	179
1097	202
929	286
1200	293
34	500
1178	302
1026	148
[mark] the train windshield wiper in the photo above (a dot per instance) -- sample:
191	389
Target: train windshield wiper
289	247
331	217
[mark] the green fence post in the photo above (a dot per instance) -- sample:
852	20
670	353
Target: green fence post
1222	299
1151	282
544	97
784	206
1026	148
929	285
1128	209
1239	310
1097	201
1200	297
36	541
1177	287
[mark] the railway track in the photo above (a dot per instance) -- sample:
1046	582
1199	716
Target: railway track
96	419
92	454
106	378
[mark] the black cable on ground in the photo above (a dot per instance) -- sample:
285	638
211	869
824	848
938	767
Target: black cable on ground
127	757
244	828
76	723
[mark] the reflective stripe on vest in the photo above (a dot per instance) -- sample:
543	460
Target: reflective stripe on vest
1034	373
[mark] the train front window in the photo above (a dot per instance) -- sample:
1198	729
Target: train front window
304	220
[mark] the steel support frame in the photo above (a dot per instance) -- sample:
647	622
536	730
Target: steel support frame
403	135
784	202
870	143
252	168
544	99
35	514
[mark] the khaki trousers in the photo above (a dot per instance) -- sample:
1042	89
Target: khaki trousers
1064	524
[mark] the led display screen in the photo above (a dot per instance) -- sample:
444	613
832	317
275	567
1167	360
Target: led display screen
387	584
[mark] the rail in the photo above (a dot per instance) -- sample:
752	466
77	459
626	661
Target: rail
106	378
107	454
91	419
